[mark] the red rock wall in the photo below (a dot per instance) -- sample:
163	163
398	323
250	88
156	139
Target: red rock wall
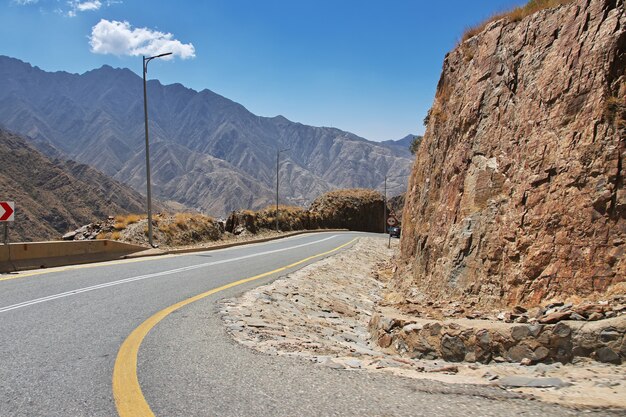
517	193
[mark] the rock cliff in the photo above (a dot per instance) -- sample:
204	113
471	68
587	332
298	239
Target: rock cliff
517	193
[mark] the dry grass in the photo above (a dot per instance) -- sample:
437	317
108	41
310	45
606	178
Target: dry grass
515	15
116	235
181	220
186	220
122	222
165	228
352	193
271	210
185	228
289	217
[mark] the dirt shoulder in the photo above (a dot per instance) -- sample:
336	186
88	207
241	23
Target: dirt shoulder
322	313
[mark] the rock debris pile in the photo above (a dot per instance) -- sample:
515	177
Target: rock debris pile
91	231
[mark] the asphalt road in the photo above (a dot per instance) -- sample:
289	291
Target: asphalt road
61	332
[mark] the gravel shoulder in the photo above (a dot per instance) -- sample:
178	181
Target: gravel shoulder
322	313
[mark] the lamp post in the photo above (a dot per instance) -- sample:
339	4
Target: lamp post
385	207
145	115
278	151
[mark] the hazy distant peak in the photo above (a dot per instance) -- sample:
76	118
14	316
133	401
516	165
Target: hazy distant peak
281	119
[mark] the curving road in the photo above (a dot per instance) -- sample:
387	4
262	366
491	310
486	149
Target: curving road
68	336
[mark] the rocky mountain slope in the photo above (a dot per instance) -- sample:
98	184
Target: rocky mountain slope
208	152
55	196
517	193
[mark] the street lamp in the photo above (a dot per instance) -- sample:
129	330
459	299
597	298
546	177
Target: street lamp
278	151
145	115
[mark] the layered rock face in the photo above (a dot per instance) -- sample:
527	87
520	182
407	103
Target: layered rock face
517	193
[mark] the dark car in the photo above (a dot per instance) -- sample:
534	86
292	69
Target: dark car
395	231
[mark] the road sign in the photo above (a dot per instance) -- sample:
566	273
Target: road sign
7	211
392	221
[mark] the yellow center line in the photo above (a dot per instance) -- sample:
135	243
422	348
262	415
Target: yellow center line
129	398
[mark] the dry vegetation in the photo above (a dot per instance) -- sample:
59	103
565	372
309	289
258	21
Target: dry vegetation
185	228
354	209
289	218
514	15
169	230
122	222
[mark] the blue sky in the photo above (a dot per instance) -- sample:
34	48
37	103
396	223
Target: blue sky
369	67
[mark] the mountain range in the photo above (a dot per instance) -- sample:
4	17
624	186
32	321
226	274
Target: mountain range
54	196
207	152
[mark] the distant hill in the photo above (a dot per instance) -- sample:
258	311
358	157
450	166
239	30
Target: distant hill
401	146
55	196
208	152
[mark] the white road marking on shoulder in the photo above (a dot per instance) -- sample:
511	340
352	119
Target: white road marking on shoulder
154	275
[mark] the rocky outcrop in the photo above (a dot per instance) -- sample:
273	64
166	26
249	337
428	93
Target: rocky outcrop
169	230
289	219
353	209
517	193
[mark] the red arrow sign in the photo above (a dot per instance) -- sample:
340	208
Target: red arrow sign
7	211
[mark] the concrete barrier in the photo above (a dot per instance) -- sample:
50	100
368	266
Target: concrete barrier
34	255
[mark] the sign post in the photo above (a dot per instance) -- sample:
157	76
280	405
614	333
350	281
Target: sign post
391	221
7	214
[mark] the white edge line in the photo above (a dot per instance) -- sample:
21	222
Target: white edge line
154	275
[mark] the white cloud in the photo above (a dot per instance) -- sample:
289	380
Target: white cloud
119	38
83	6
68	7
88	5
